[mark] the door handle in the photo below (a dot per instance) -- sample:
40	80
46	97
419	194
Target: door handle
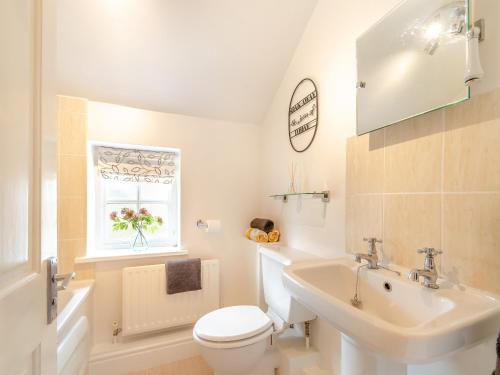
64	278
55	283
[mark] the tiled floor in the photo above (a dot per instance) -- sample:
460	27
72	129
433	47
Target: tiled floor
189	366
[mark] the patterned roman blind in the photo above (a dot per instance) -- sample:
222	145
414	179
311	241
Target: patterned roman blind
131	165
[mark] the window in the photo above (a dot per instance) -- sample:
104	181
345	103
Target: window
134	178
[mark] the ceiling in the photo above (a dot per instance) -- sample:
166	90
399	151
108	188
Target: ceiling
219	59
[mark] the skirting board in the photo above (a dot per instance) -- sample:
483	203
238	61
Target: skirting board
120	359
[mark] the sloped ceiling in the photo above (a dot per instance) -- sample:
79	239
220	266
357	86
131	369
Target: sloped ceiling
219	59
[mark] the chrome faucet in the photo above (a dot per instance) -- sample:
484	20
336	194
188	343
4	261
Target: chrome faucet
371	257
429	272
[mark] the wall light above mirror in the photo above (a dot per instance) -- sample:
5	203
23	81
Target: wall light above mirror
411	62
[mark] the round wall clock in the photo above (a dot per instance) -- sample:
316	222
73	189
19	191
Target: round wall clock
303	115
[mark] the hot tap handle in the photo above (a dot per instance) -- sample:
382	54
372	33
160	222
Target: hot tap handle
429	251
372	247
372	240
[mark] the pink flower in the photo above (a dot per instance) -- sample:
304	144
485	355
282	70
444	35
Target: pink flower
113	215
129	214
143	211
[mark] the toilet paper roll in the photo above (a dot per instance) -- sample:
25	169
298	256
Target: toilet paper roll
213	226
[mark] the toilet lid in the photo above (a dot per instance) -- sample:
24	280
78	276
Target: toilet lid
232	323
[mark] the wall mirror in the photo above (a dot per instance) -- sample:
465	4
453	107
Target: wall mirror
412	61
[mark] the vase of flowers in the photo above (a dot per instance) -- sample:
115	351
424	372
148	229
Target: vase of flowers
141	221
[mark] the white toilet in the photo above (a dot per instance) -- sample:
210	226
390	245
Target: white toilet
235	340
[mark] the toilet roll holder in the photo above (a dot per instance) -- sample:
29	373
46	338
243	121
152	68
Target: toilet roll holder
201	224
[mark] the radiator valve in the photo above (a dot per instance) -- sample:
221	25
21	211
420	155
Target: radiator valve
116	331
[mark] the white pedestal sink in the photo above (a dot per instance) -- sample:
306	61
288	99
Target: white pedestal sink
399	322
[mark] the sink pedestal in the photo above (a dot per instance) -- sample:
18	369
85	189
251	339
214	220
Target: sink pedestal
357	360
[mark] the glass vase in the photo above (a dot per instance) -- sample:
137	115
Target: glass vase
139	241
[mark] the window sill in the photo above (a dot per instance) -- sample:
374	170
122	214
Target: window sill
125	254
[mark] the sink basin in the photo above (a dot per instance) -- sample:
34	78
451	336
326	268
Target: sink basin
398	318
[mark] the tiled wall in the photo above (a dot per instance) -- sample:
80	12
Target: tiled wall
72	181
432	181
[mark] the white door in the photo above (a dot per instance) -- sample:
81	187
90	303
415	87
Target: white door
27	172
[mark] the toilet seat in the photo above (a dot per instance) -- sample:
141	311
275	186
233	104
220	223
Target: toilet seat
233	326
233	344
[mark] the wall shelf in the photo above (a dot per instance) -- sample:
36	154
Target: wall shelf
323	195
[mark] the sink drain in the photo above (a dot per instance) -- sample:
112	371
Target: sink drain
387	286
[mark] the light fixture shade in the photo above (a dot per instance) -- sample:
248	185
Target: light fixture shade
474	70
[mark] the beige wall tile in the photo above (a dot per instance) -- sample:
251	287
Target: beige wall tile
65	263
67	251
469	232
72	248
481	108
472	239
85	271
72	140
72	216
411	222
413	154
72	176
364	219
72	133
72	104
472	151
365	163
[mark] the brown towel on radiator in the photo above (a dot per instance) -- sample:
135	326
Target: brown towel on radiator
265	225
183	275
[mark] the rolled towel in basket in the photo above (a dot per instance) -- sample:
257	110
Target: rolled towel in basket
274	235
265	225
256	235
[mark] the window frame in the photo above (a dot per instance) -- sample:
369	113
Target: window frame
96	209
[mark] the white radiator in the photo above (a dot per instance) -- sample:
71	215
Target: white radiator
147	306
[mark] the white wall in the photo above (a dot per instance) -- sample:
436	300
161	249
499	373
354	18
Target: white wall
326	53
220	180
